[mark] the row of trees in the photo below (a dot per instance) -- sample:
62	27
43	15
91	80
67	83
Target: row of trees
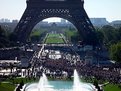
107	36
8	39
115	52
37	35
72	35
5	38
111	38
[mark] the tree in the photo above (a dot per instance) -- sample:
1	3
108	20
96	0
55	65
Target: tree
3	38
35	38
37	35
115	52
6	38
110	34
100	36
119	34
2	32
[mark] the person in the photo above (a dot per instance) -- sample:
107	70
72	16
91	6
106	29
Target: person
97	86
20	86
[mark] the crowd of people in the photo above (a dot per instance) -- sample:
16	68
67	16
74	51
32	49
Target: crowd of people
58	68
64	67
9	53
101	73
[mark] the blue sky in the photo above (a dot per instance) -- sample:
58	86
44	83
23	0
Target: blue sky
110	9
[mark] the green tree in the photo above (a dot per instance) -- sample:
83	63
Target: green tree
35	38
100	36
37	35
72	35
2	32
110	34
115	52
119	34
4	42
5	38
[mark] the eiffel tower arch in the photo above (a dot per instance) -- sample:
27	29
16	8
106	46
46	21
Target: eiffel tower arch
71	10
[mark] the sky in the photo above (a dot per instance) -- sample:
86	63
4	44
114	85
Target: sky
109	9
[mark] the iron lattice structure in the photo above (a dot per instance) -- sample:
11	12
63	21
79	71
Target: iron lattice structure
71	10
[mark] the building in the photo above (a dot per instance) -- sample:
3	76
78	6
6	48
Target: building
14	21
99	21
4	20
116	23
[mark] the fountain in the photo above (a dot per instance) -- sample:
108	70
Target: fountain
80	86
43	85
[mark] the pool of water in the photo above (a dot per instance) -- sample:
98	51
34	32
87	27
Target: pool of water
61	84
56	86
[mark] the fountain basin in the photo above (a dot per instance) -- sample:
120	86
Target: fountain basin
45	85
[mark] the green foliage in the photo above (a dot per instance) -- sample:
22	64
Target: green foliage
36	35
100	36
4	41
115	52
35	38
72	35
119	34
36	32
107	35
110	34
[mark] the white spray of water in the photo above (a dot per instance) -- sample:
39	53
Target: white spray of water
80	86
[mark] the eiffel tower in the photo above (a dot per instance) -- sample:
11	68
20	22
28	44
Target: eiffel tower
71	10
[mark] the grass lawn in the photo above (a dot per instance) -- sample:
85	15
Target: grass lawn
7	87
53	35
112	87
108	87
54	39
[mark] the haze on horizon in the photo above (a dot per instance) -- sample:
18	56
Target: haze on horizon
109	9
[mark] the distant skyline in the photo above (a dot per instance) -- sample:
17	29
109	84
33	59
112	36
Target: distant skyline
109	9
